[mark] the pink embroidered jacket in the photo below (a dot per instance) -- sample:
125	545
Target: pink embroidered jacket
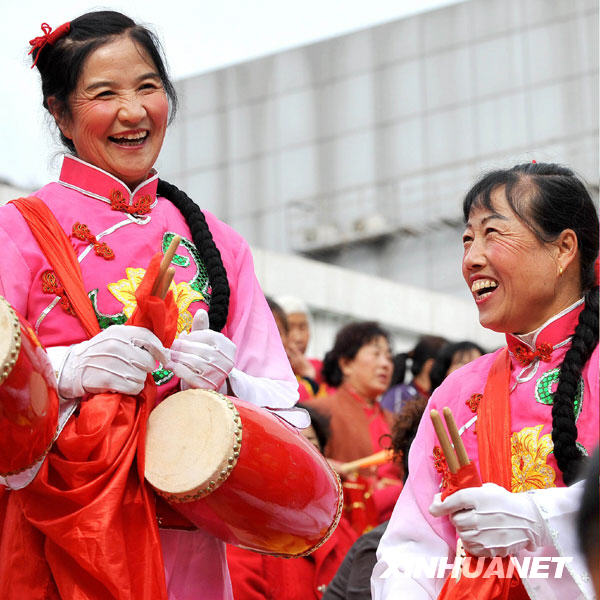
413	530
195	562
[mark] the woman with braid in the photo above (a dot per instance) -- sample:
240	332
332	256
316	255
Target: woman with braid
527	413
105	84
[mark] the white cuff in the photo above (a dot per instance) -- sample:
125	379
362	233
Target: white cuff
558	507
276	395
58	357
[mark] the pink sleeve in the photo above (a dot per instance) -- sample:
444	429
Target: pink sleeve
251	326
15	275
413	533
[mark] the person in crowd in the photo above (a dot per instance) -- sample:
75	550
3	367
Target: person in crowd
588	521
530	244
105	84
306	387
422	357
299	322
452	356
353	579
360	366
257	576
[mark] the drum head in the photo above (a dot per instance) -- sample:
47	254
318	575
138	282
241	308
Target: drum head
192	442
10	339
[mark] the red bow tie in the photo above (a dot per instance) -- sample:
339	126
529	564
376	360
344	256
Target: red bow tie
526	356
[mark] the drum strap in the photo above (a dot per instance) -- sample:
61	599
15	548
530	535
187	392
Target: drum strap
60	254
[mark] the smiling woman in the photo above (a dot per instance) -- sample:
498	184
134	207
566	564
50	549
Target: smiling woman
116	117
86	521
530	245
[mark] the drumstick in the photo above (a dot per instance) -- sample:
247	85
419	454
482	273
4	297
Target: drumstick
366	461
166	282
164	265
444	441
459	447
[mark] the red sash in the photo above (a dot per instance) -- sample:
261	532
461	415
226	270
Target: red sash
85	528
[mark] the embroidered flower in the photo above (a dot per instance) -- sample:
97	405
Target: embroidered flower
529	453
183	294
473	402
441	466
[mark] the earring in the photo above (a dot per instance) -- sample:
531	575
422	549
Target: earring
560	270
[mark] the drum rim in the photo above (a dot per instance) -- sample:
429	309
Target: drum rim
224	474
14	347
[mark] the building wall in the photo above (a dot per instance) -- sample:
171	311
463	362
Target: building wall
357	150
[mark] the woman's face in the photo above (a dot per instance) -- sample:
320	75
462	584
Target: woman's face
118	112
370	371
461	358
511	274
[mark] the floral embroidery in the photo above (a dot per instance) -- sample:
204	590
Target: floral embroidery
51	285
140	206
83	233
529	453
183	294
545	395
473	402
526	356
441	466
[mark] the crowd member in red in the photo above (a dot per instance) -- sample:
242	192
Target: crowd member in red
360	366
261	577
299	323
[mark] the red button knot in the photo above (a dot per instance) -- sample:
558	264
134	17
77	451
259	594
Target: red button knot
83	233
140	206
526	356
51	285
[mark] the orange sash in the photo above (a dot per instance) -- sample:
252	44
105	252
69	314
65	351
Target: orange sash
493	444
86	528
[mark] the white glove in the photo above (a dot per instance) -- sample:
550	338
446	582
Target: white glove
491	521
202	358
115	360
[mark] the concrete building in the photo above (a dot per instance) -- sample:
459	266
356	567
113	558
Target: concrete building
356	150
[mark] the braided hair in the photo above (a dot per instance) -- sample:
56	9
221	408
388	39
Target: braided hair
549	198
203	240
60	64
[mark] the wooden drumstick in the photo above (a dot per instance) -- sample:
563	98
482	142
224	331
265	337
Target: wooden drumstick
459	447
444	441
378	458
166	282
164	265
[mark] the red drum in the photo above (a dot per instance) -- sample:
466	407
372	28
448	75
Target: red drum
241	473
28	396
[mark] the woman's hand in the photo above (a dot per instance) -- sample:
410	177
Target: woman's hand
117	359
491	521
202	358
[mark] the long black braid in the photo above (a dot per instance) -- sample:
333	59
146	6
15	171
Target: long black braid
564	430
549	198
209	253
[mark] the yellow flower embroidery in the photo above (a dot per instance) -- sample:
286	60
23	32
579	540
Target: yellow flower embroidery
529	455
183	294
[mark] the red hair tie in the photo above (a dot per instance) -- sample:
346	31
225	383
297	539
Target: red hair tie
49	37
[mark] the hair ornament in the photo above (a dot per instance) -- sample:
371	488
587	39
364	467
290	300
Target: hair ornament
533	162
49	37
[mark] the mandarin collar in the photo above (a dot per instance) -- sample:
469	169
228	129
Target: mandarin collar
555	331
96	183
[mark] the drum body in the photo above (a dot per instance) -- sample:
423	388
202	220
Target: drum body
265	486
28	396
